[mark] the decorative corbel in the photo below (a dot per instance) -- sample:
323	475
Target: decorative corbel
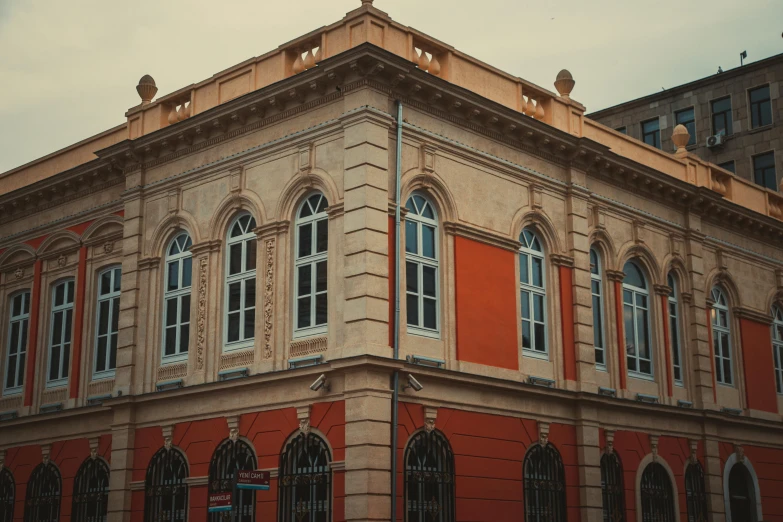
740	452
235	177
720	259
94	447
173	200
654	447
233	427
638	232
536	197
45	451
609	436
694	445
430	416
303	414
167	436
428	158
543	433
599	217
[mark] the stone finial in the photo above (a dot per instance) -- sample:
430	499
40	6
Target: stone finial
146	89
564	83
366	2
680	138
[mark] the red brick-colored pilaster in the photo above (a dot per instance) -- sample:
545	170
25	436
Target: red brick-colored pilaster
567	318
712	357
618	315
667	343
78	323
32	343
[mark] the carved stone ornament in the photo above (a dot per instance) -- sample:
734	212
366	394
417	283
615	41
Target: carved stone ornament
167	443
543	433
694	448
303	414
430	416
740	452
19	273
62	260
609	436
108	247
167	436
233	434
269	294
201	320
654	447
304	426
2	459
45	450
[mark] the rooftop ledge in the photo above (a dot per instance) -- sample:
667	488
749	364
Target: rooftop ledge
368	24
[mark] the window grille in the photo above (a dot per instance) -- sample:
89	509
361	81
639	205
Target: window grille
656	493
44	491
91	492
165	491
612	488
545	489
7	494
230	457
695	493
305	480
429	478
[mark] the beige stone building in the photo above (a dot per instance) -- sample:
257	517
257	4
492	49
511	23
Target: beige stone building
588	328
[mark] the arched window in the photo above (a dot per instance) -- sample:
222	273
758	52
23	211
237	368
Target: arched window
742	495
695	495
777	345
310	270
532	293
636	312
230	457
429	478
176	299
612	488
305	480
545	488
42	502
7	494
656	494
596	285
16	353
674	327
60	334
165	490
107	322
91	492
421	267
240	301
721	337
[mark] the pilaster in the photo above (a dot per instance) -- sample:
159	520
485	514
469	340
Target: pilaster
713	477
122	442
589	459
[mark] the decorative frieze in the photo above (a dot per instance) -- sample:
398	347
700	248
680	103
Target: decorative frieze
101	387
168	372
236	359
307	347
54	395
201	318
269	294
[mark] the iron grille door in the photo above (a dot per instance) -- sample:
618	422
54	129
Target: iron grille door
429	478
695	493
657	497
91	492
230	457
612	488
166	494
42	503
7	493
545	499
305	480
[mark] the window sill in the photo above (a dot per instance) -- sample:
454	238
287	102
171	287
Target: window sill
601	368
642	376
679	384
56	384
763	128
310	332
103	376
727	385
13	392
421	332
544	356
240	345
174	359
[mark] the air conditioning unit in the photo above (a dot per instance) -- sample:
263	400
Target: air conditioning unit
715	141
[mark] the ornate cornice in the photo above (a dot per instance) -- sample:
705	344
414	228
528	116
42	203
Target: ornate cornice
481	235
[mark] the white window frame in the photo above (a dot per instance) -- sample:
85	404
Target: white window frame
179	293
720	306
111	297
675	337
312	260
418	258
777	346
529	251
23	319
243	277
597	281
63	308
635	310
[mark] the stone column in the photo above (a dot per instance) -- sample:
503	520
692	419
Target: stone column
589	458
713	475
122	442
365	223
367	443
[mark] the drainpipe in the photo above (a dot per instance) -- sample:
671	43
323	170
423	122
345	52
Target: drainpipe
396	384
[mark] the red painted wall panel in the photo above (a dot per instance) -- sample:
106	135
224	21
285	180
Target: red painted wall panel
759	365
486	304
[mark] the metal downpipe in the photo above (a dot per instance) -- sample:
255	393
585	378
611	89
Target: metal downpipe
396	380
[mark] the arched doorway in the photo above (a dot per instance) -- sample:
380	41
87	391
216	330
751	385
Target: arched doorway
742	495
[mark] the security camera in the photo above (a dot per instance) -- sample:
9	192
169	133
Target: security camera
319	383
413	383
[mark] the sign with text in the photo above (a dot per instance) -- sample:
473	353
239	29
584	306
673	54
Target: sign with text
253	479
218	502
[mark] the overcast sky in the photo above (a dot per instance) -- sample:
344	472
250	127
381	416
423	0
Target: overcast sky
68	68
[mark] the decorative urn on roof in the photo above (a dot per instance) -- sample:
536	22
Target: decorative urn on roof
146	89
564	83
680	138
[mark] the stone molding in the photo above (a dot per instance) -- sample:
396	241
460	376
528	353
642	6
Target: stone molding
272	229
663	290
562	260
481	235
206	247
615	276
752	315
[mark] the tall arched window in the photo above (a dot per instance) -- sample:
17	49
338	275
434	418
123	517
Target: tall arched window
305	480
165	490
17	342
107	322
612	488
176	299
7	494
721	337
240	302
636	320
596	285
44	489
742	495
656	494
60	335
310	270
695	495
674	327
429	478
545	488
421	267
777	345
230	457
532	293
91	492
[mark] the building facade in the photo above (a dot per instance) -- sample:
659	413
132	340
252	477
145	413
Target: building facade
733	118
589	329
